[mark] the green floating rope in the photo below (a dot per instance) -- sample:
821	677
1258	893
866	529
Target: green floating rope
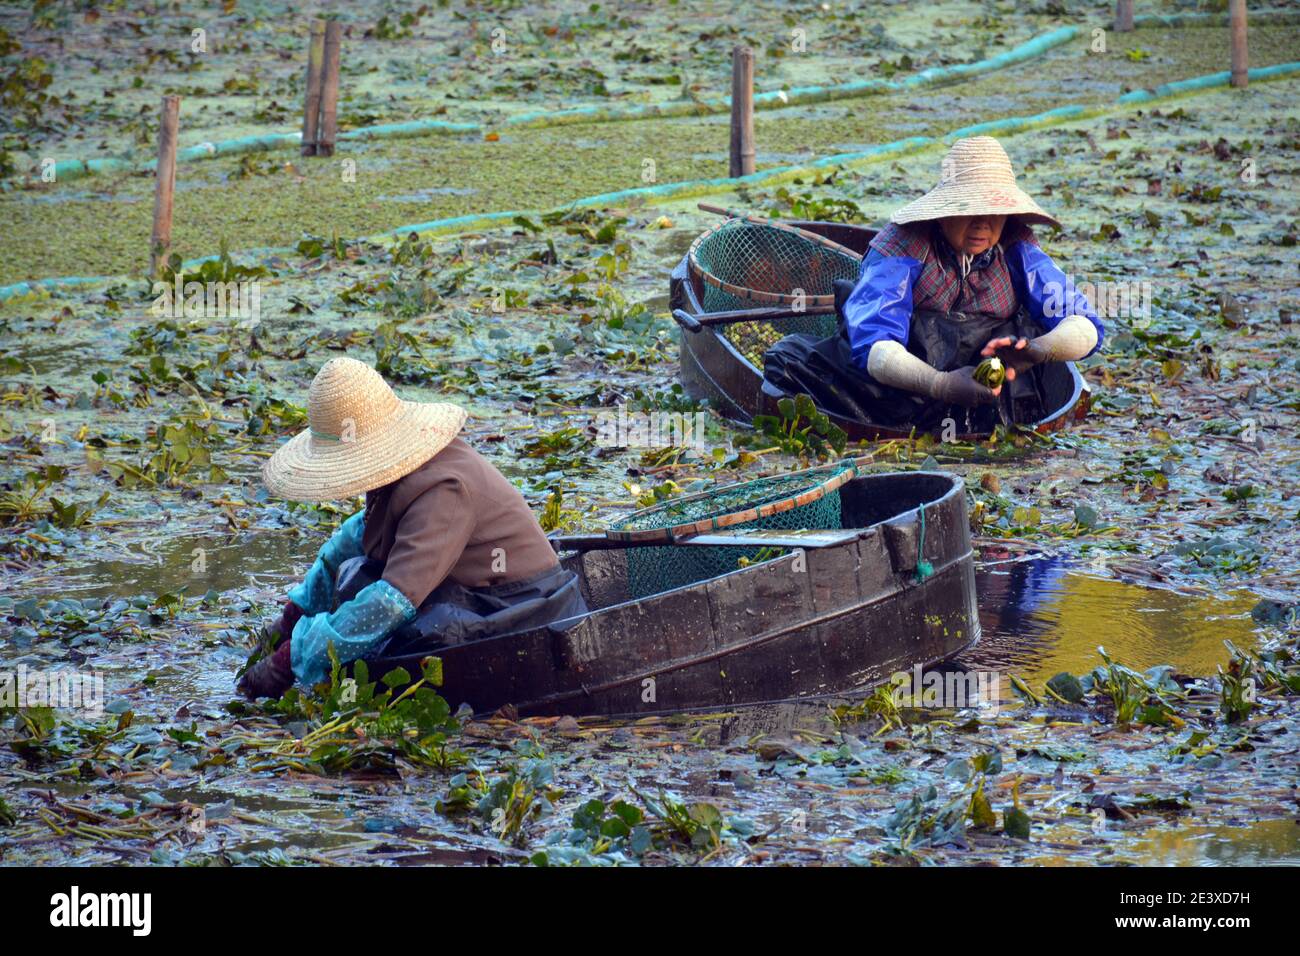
923	567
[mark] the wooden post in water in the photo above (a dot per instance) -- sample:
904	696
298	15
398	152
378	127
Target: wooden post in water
1237	25
164	185
1123	16
742	111
329	97
311	101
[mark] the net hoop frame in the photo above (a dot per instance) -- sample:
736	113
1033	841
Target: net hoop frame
757	295
845	472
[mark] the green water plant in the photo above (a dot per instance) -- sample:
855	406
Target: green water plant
521	795
1136	697
698	825
801	428
1237	685
28	500
356	723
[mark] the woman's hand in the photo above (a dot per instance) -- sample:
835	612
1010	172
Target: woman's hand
1011	352
269	677
1017	355
959	387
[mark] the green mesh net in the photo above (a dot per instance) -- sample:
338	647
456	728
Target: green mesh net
767	259
651	570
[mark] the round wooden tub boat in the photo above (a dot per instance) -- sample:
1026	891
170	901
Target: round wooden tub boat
841	609
715	370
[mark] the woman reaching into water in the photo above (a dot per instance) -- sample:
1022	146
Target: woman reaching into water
445	550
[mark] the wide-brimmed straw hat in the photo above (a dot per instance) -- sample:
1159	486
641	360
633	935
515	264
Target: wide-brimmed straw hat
976	179
361	436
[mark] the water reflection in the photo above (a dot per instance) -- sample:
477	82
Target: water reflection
1041	617
1259	843
195	563
1264	843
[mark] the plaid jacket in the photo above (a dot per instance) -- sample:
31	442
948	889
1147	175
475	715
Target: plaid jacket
986	289
912	267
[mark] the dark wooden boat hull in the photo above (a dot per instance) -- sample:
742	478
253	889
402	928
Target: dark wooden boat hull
819	621
714	370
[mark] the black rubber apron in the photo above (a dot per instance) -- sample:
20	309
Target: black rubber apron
824	369
453	614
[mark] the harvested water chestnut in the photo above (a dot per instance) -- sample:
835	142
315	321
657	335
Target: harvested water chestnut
990	373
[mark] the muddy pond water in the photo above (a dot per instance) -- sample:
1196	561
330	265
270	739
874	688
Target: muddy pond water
1043	615
1040	615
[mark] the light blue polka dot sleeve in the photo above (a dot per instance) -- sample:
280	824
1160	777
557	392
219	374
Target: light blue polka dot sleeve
355	628
315	594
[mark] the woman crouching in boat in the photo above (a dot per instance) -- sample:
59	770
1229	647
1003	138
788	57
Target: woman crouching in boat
957	276
445	550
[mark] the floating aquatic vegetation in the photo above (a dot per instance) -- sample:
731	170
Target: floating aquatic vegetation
921	820
175	453
521	795
802	429
882	703
275	416
1220	555
172	660
815	206
1237	694
354	726
617	832
29	501
220	268
698	825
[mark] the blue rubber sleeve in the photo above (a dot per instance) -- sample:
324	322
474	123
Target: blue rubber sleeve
315	594
354	629
880	306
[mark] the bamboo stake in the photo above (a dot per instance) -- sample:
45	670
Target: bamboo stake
329	99
164	185
311	104
1123	16
742	111
1240	60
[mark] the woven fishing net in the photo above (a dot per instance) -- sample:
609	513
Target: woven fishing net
763	258
651	570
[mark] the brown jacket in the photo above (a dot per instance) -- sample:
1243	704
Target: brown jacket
455	517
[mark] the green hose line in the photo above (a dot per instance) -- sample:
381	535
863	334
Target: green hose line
701	187
1030	49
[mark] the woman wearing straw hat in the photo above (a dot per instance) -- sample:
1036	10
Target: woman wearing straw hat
956	276
445	550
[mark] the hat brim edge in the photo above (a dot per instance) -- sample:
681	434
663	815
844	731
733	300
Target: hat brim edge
293	472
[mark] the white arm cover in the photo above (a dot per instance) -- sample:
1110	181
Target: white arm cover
1072	339
890	363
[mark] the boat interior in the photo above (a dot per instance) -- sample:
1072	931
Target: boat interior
863	502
